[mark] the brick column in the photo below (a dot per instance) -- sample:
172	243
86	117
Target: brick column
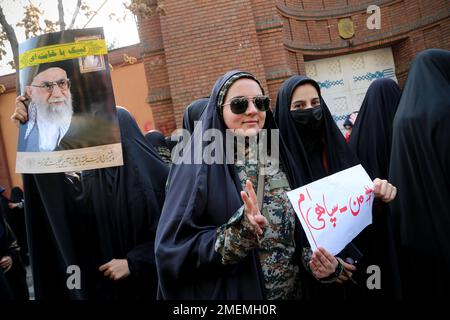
159	95
5	179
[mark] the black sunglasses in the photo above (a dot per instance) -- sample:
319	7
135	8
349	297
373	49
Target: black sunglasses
239	105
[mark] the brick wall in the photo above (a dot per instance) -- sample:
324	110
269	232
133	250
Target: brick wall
5	179
408	26
186	50
159	95
218	36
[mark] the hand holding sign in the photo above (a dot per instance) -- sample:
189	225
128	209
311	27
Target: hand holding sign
335	209
322	263
384	190
257	220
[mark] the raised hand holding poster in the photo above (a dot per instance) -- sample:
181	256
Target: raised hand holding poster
72	123
335	209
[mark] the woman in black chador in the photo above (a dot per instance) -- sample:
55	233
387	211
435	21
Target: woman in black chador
122	206
420	167
319	148
371	141
107	231
13	284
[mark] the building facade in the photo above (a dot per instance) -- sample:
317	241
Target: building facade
337	42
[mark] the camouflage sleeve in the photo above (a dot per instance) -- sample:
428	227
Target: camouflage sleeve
236	238
306	257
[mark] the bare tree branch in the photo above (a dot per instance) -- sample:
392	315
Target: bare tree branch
11	35
97	11
62	24
75	14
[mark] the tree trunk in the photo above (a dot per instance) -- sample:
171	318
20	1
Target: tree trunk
77	9
62	24
11	35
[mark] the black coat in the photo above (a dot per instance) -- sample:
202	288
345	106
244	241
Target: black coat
420	168
54	235
371	140
121	208
13	284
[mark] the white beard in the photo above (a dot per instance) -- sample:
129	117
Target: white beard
53	123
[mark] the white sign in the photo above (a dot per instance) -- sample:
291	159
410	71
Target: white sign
335	209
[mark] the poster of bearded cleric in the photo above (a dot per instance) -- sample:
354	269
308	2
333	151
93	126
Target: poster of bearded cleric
72	122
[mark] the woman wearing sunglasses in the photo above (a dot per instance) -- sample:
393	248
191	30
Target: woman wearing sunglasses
317	145
226	231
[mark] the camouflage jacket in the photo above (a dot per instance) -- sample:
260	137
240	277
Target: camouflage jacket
276	246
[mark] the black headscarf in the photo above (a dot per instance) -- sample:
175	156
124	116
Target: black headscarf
200	198
371	136
420	168
371	141
338	154
193	113
155	139
122	206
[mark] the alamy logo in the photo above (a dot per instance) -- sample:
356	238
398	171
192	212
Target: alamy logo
74	278
211	146
374	21
374	280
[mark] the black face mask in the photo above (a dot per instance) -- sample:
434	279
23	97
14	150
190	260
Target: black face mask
309	123
308	120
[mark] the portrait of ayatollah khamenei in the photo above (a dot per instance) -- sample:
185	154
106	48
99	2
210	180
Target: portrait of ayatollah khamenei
72	122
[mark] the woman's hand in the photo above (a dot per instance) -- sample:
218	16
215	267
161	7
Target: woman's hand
6	263
348	271
254	216
116	269
322	263
12	205
20	114
384	190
